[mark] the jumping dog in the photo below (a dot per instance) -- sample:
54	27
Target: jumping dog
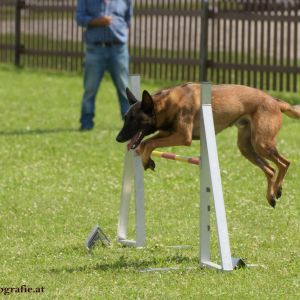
173	115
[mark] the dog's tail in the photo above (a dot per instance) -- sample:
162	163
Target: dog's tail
292	111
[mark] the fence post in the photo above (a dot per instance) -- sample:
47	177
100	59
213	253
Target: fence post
20	4
204	40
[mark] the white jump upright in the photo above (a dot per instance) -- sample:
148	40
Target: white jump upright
133	171
210	186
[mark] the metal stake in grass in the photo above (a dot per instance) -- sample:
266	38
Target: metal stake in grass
96	235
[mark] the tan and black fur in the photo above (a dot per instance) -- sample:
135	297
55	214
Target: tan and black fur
173	115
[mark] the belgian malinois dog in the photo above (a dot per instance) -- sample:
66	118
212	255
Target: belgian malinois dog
173	114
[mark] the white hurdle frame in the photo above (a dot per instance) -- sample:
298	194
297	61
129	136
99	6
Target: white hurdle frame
210	186
133	170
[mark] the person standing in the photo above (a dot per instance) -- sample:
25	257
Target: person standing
106	24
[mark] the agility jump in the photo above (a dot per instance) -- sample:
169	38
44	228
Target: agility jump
172	156
210	186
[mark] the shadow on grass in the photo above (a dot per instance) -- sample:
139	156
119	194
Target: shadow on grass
123	263
37	131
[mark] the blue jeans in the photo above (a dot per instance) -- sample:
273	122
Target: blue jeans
115	60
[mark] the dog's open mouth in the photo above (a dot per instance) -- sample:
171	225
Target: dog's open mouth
135	140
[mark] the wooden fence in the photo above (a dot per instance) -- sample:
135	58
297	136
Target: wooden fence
252	42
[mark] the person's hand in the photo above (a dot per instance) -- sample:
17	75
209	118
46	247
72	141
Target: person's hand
101	21
105	20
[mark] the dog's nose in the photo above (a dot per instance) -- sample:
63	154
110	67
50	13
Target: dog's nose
119	138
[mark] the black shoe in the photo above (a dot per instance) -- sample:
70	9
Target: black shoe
85	128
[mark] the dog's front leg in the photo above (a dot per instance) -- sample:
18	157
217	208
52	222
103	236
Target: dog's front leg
174	139
140	150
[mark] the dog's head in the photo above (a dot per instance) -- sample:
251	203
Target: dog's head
139	121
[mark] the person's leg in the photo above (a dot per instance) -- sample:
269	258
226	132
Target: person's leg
118	66
94	67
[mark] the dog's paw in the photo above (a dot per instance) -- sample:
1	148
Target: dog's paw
279	192
272	202
149	165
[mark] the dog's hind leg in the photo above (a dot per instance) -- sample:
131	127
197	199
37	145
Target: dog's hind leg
264	131
247	150
282	172
271	153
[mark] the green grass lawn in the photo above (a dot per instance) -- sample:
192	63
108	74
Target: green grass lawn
57	183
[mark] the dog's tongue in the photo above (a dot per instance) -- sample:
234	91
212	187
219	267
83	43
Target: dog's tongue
134	142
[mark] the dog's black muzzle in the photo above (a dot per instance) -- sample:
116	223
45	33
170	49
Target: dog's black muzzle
120	138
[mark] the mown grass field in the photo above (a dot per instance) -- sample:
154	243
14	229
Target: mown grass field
56	183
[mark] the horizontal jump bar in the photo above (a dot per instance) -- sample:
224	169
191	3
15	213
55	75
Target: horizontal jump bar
172	156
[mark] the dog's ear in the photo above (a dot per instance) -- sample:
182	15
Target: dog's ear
147	103
130	97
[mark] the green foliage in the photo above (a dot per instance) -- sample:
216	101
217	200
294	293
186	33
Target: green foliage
56	183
